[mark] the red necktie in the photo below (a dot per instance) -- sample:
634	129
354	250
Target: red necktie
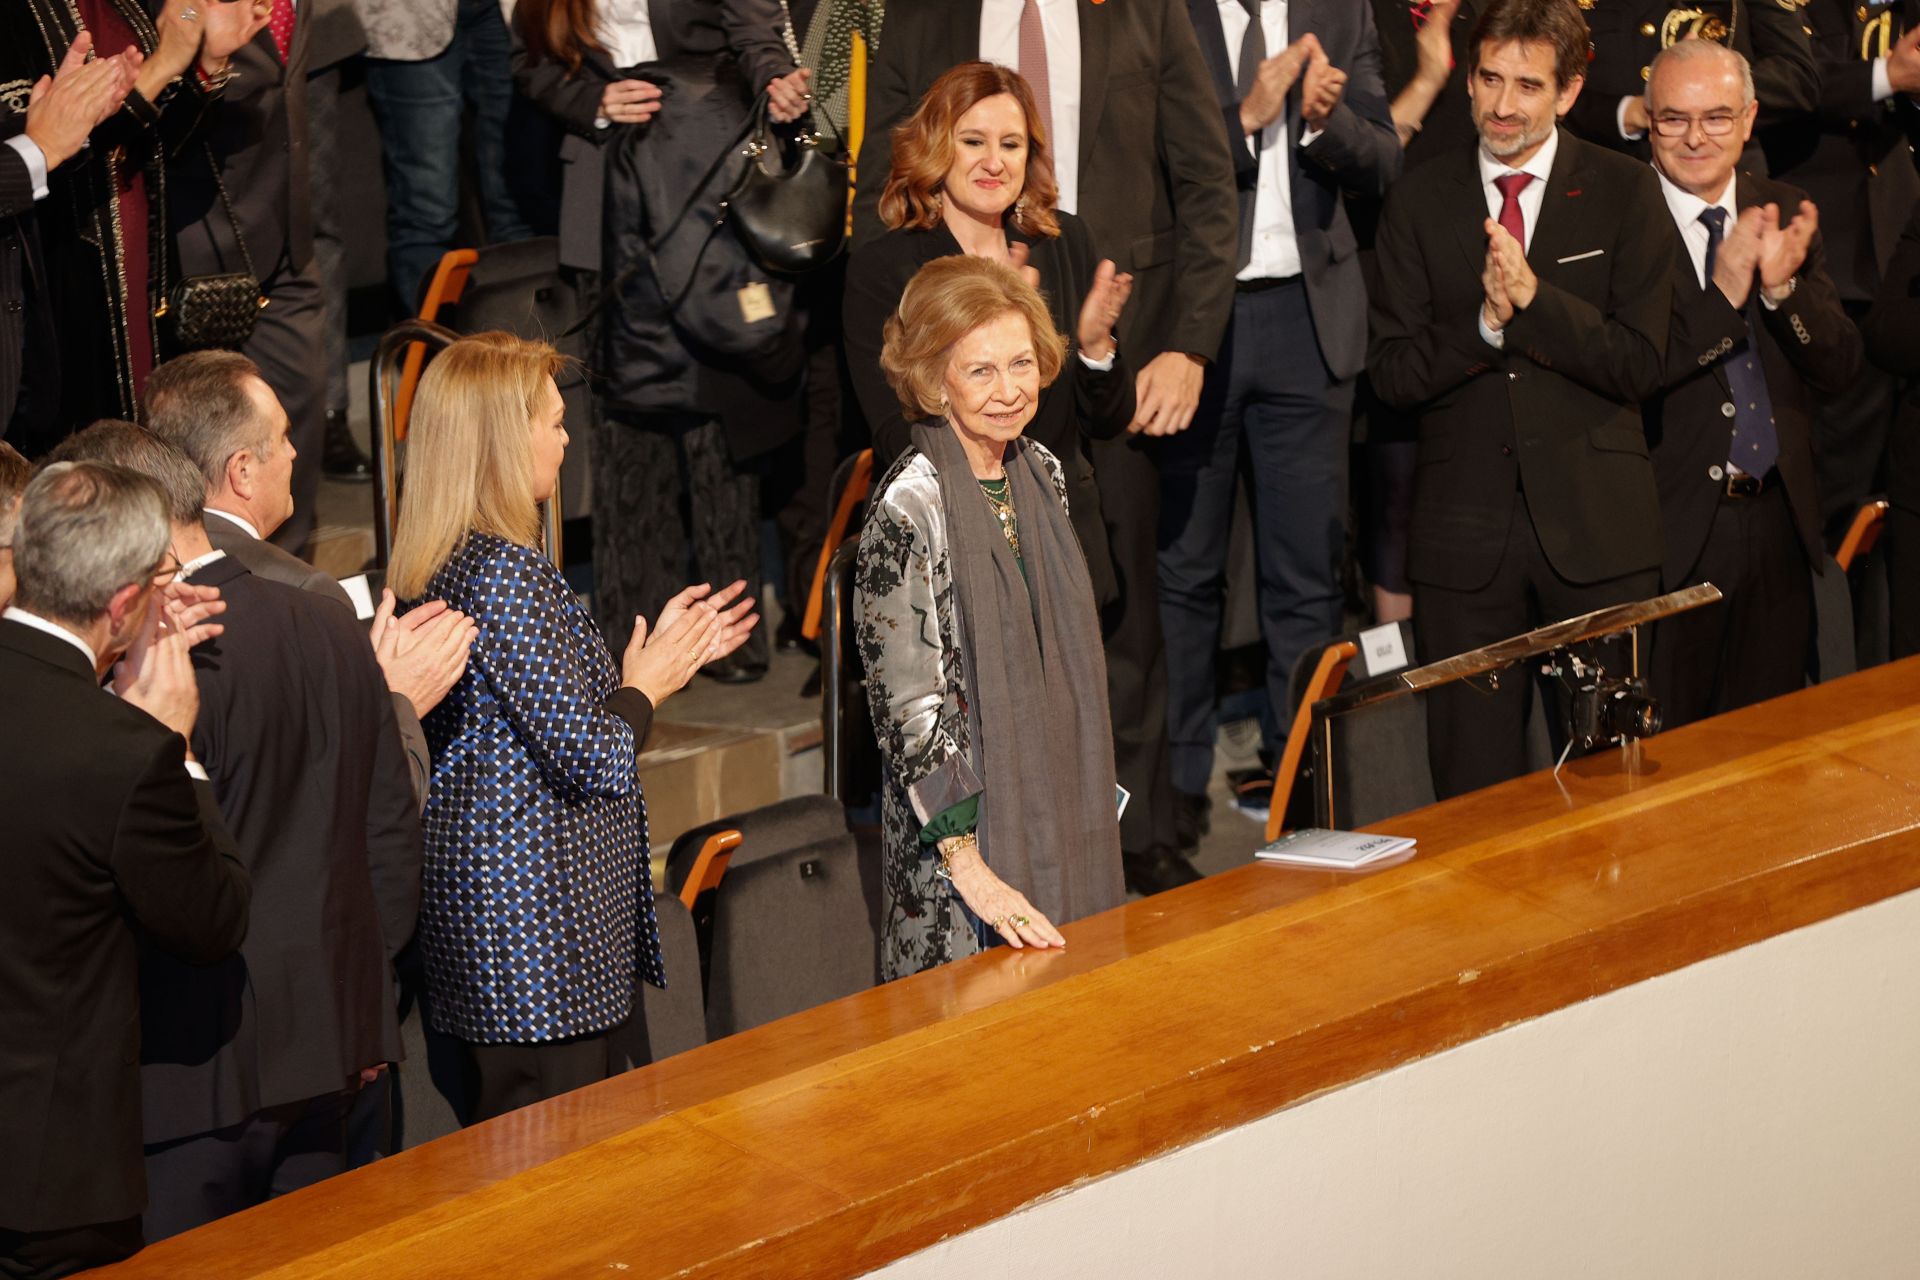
1511	185
1033	63
281	24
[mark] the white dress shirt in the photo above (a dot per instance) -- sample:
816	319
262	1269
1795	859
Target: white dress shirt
198	563
1687	208
36	162
55	630
1532	196
246	525
626	29
1000	42
1275	254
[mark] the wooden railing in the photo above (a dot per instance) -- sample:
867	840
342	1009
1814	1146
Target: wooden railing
835	1141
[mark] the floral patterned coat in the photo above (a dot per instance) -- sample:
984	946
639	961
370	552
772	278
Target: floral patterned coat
906	630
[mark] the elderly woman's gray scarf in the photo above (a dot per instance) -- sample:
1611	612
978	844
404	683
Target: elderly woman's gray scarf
1036	677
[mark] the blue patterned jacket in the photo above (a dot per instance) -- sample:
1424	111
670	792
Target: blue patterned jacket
538	901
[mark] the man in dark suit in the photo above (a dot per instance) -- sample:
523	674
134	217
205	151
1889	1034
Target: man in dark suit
1627	34
1525	320
215	407
1732	435
249	1067
255	146
1136	129
1299	88
112	834
39	131
1853	157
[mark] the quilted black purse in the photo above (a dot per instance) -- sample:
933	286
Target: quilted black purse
214	312
789	206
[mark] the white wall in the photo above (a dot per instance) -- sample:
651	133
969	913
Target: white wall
1756	1115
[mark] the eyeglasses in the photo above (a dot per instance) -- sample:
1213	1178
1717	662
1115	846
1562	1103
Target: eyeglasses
164	574
1717	125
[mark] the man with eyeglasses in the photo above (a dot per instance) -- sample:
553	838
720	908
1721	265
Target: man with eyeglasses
113	839
1628	34
1758	333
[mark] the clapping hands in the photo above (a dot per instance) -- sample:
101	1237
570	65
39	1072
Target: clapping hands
156	673
698	626
1101	310
1509	282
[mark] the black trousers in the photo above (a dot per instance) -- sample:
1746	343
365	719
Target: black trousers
193	1181
43	1255
1753	644
1900	542
1129	484
507	1077
289	344
1852	430
1477	729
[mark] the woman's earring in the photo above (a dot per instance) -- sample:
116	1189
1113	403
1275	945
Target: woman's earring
1020	208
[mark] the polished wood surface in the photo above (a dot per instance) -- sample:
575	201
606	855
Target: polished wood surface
835	1141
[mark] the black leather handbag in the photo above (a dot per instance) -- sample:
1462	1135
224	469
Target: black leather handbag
214	312
790	206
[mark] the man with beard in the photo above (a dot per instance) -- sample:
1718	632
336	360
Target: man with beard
1527	319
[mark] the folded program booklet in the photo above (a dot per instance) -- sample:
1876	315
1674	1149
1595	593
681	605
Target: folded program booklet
1348	850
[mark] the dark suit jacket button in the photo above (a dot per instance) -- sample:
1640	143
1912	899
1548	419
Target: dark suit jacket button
1506	451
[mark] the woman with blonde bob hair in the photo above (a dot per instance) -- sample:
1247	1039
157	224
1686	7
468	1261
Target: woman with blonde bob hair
972	174
977	627
538	905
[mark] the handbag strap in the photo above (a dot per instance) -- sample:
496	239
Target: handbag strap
799	61
226	203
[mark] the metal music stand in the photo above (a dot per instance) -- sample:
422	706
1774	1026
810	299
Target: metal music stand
1554	638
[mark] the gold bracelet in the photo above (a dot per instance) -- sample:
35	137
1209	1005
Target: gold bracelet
965	840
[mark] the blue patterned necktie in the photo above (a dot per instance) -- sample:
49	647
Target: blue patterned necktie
1756	444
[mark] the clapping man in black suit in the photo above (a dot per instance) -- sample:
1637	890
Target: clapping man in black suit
1299	85
1525	317
249	1067
112	836
1732	435
215	407
1140	155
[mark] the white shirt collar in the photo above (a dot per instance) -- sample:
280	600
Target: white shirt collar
1540	166
1687	207
198	563
54	629
246	526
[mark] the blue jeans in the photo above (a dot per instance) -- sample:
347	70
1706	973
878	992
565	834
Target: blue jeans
419	106
1270	404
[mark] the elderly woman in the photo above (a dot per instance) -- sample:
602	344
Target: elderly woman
538	906
977	627
973	174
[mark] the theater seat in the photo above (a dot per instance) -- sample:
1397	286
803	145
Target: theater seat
671	1021
790	931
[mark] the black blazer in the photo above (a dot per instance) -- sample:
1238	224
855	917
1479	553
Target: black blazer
24	317
1081	403
1893	343
1808	347
1627	34
1358	152
297	734
1851	154
107	840
258	138
1557	411
264	560
1156	180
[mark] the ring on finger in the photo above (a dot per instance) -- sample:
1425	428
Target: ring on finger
189	14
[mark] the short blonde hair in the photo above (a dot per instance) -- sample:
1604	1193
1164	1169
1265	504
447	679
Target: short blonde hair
946	301
470	453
